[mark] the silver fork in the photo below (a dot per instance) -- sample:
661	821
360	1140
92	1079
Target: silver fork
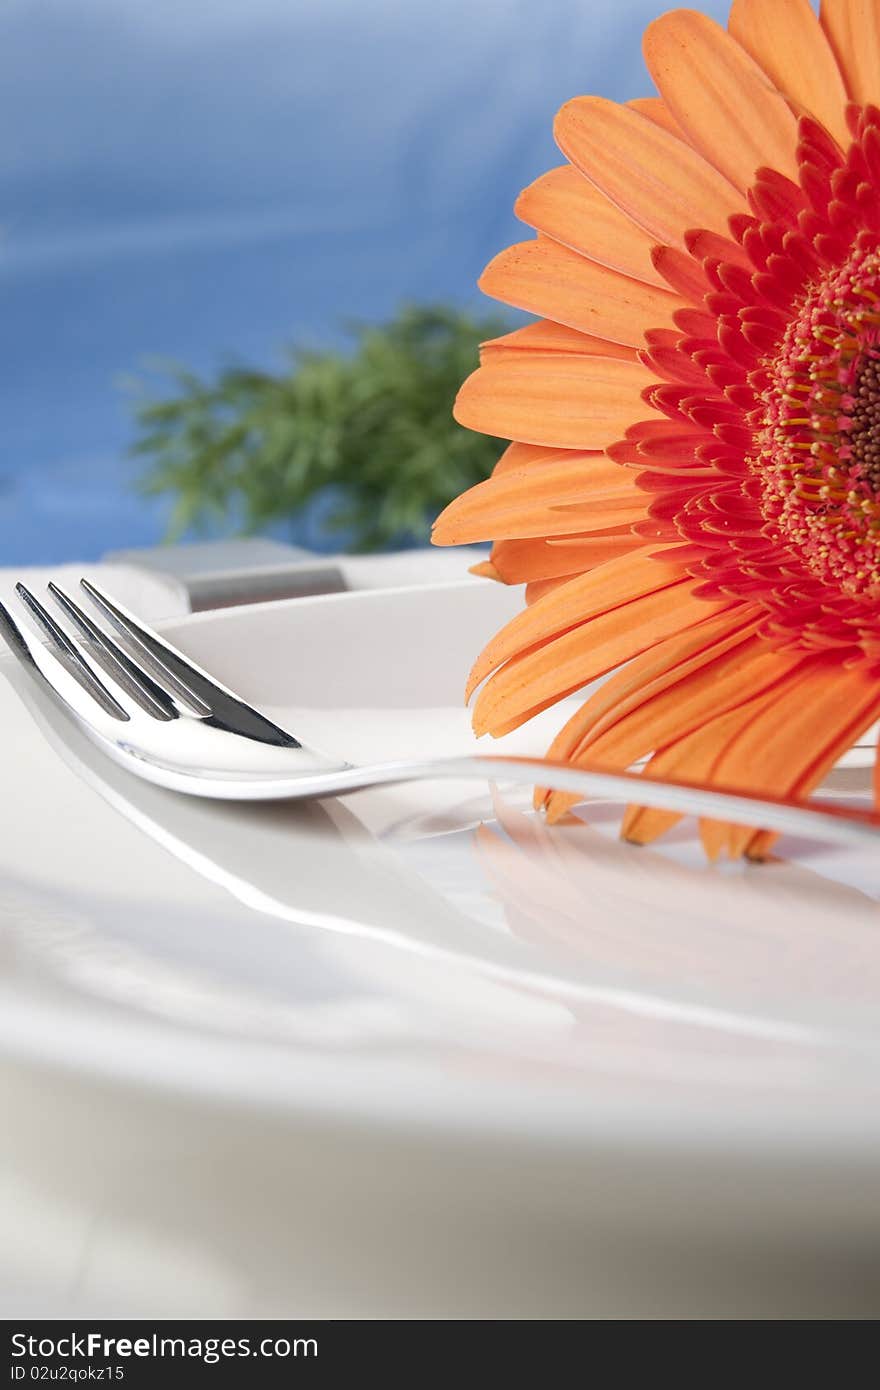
166	720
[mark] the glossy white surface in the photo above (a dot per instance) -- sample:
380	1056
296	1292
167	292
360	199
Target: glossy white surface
416	1041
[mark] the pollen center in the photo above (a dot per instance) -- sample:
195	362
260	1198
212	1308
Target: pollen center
864	428
818	428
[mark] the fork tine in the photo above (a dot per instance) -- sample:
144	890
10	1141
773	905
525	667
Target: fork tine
13	634
188	681
62	657
142	689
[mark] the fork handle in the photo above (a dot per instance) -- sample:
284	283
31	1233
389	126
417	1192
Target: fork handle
812	819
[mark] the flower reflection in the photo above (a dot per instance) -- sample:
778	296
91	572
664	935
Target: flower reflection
764	974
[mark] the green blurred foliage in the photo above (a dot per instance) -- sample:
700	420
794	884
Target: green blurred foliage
374	425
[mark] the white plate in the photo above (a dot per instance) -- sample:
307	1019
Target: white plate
430	958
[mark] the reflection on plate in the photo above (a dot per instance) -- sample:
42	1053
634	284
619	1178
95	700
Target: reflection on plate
431	950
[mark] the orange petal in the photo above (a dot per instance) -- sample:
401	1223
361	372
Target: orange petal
691	759
696	757
596	518
530	456
853	30
662	666
720	97
720	676
805	731
683	272
604	590
785	38
675	708
567	207
656	110
522	561
537	588
555	399
554	476
548	279
485	570
758	713
665	664
570	661
547	336
521	502
656	179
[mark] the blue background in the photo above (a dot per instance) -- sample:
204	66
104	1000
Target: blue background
207	180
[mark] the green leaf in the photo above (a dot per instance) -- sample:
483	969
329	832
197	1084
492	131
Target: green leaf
373	425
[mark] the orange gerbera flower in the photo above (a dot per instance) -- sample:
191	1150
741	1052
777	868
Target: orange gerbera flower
694	491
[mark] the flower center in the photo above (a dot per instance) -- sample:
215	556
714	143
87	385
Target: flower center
864	418
817	459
